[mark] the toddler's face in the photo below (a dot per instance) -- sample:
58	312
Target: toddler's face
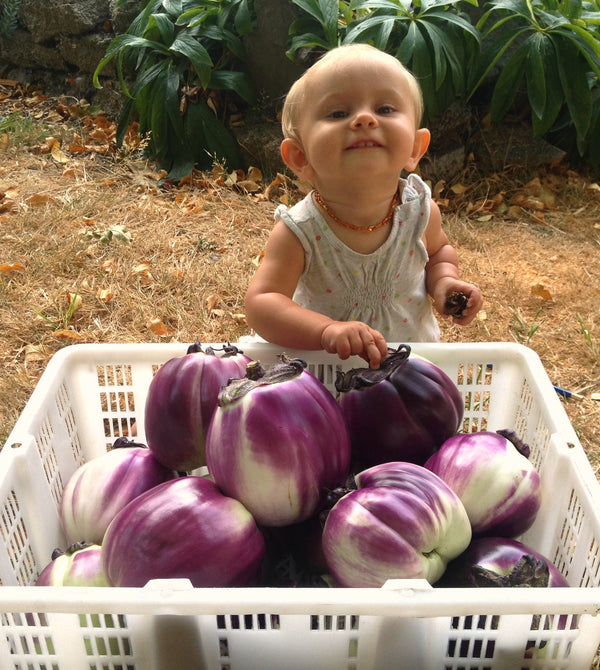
358	121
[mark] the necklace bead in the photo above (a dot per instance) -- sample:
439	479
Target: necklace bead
360	229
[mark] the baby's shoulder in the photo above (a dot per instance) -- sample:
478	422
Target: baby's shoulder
301	214
413	187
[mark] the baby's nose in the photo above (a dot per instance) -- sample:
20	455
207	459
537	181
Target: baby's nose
364	119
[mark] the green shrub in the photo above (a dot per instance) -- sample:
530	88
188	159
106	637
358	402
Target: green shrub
550	49
9	15
178	51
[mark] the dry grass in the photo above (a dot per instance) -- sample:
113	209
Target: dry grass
108	255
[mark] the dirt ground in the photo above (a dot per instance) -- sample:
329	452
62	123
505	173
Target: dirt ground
94	248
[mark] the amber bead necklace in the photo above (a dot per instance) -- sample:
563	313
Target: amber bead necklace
360	229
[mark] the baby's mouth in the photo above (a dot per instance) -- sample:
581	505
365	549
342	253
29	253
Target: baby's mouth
364	144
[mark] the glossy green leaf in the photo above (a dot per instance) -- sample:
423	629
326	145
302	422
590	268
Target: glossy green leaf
535	73
198	56
573	78
160	28
508	83
218	143
243	22
233	81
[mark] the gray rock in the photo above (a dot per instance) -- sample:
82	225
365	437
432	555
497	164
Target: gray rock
49	19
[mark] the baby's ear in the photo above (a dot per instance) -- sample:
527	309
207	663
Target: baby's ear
294	157
420	145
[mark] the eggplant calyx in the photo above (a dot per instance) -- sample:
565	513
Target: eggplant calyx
195	348
528	571
359	378
77	546
286	370
72	549
228	349
522	447
125	443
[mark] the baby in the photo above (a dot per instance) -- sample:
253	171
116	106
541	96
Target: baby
361	260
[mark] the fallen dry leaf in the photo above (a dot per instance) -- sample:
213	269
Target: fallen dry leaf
248	186
66	334
157	327
7	268
541	291
35	352
39	200
74	301
58	154
8	205
108	265
104	294
458	189
211	301
254	174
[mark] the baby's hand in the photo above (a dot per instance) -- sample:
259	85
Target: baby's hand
348	338
461	301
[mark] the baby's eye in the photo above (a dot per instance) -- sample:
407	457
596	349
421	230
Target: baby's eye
338	114
385	109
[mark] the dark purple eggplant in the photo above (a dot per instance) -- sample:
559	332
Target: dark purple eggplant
401	412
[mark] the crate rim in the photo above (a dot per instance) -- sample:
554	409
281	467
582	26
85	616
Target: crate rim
401	598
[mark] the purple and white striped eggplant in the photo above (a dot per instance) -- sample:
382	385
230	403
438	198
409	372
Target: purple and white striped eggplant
79	565
184	528
403	522
402	411
492	475
277	442
501	562
100	488
182	398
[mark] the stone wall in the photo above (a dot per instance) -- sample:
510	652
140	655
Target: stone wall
59	43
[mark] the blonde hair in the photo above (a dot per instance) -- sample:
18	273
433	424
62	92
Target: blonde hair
294	100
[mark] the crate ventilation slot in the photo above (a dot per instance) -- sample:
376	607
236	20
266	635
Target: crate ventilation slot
16	540
117	400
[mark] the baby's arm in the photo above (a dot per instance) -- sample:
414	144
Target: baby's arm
273	314
442	275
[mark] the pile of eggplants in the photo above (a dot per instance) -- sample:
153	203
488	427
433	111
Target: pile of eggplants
302	488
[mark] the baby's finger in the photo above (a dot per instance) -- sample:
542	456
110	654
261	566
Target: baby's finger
373	354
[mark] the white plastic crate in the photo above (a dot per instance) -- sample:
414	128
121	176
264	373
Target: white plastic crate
91	394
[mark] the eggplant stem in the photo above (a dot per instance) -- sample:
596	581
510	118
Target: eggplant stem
286	370
359	378
228	349
522	447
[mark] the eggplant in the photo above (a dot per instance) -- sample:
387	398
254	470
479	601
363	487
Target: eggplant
492	475
79	565
184	528
402	522
501	562
402	411
100	488
181	400
278	442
